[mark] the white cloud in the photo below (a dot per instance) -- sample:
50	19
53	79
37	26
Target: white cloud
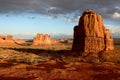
116	15
104	9
117	7
50	17
61	35
114	30
74	19
52	8
69	20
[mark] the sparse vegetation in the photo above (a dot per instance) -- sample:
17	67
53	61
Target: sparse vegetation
36	54
57	62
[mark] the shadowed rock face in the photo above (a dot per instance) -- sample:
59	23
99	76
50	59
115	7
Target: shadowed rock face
90	34
42	39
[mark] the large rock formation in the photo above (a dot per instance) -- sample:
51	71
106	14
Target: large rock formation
42	39
90	34
7	40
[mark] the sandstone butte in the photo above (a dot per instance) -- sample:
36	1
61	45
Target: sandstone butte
90	35
7	40
42	39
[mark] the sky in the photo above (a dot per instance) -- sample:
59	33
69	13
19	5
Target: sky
26	18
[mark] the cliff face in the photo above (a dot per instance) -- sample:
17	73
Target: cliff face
90	34
109	45
42	39
90	25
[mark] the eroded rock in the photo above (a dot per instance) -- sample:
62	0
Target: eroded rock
90	35
42	39
7	40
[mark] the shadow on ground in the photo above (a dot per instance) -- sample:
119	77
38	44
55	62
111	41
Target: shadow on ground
14	78
38	51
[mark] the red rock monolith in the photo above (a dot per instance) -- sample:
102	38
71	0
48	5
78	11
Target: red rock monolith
90	35
42	39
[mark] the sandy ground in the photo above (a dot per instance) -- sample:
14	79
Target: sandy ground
53	70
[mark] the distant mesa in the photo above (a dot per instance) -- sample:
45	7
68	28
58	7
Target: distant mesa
90	35
42	39
7	40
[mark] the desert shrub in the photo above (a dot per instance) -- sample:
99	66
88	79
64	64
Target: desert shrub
1	49
70	59
34	60
22	57
91	60
68	48
110	56
95	61
28	59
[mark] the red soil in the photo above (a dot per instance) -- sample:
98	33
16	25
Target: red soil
53	70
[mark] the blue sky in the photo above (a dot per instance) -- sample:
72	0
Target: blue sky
26	18
28	25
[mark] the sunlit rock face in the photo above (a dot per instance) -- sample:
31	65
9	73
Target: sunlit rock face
7	40
42	39
90	35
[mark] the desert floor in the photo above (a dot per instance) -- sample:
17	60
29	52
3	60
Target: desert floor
25	62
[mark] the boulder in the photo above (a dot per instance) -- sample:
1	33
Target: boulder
90	35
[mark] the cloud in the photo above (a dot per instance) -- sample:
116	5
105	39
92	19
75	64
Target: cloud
116	15
114	30
61	35
58	6
71	10
72	19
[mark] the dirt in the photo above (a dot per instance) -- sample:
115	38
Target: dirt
53	70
